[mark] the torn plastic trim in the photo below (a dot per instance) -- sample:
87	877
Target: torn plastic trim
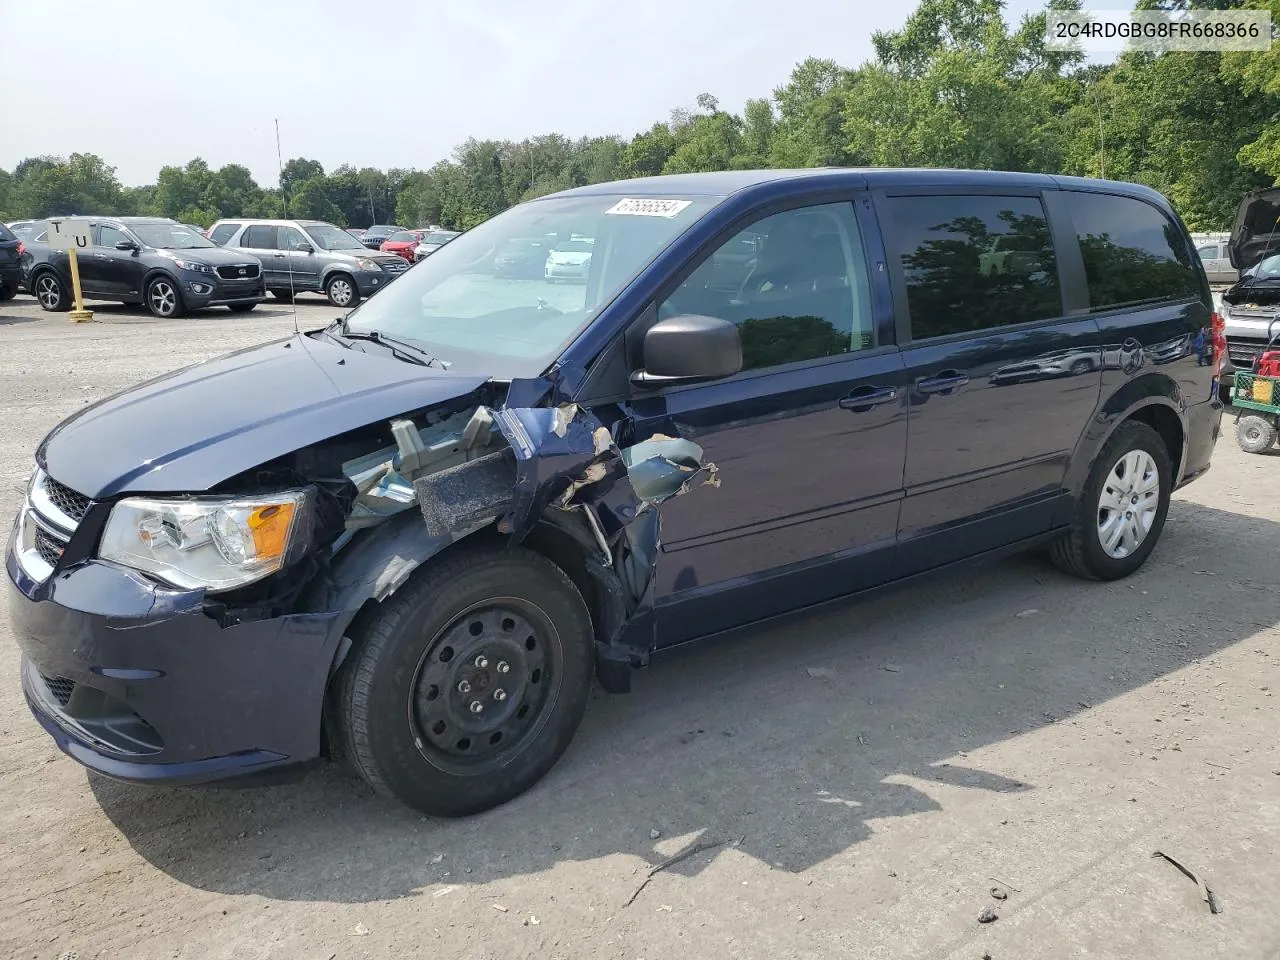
560	465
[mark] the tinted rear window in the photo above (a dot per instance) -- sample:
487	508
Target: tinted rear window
974	262
1132	251
259	237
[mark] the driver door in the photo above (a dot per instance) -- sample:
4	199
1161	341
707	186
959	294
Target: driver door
300	257
810	438
109	272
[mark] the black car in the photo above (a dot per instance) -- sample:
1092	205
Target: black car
162	263
10	263
376	235
408	540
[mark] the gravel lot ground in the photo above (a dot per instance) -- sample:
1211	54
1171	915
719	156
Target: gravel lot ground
877	769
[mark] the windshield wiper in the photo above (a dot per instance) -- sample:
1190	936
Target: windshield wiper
404	349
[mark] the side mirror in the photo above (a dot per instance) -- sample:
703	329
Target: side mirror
306	248
126	245
689	348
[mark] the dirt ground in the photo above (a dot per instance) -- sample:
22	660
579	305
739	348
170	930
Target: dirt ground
871	773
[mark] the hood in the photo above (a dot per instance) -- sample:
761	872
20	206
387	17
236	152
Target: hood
1256	233
189	430
214	256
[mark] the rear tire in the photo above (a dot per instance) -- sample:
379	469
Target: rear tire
341	290
7	292
504	630
1255	433
1122	508
51	292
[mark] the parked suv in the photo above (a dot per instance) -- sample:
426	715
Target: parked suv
161	263
407	539
300	256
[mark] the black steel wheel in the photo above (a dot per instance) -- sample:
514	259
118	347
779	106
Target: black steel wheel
464	688
484	685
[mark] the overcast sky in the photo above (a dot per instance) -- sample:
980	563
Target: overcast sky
144	83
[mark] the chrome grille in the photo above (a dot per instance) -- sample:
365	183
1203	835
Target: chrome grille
398	265
74	505
46	524
48	546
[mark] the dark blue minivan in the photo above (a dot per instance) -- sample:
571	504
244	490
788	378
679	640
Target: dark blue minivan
409	540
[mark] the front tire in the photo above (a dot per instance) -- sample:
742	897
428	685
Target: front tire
341	290
465	687
1122	508
51	292
240	307
164	300
1255	433
286	295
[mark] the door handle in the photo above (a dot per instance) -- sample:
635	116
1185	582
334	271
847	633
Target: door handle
862	399
944	382
101	256
280	255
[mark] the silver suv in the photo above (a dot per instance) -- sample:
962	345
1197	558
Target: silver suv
301	256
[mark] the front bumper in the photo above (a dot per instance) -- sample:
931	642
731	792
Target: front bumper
202	290
140	683
369	282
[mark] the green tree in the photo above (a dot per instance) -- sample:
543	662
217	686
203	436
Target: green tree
310	201
297	170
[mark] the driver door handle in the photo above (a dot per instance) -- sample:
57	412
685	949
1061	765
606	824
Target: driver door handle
867	397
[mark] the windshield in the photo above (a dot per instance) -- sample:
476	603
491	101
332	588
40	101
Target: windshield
404	236
438	237
481	314
329	237
170	236
1268	269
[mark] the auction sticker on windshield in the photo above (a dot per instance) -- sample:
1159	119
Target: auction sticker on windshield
648	207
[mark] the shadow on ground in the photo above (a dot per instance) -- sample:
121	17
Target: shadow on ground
787	736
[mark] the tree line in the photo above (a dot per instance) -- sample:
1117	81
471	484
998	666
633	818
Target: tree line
955	87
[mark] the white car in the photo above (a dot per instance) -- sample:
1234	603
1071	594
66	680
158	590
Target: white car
570	260
432	242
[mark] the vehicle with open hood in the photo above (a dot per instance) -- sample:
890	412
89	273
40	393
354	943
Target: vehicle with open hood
407	540
1252	303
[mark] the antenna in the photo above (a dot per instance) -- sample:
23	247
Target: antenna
293	294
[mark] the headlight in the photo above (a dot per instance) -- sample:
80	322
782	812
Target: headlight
365	264
192	265
217	543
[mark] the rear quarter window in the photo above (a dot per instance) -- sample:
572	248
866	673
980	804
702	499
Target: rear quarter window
1133	253
6	233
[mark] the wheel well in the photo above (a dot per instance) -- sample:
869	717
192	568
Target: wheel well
566	553
1166	423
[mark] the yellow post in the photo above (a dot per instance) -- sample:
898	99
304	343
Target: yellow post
79	314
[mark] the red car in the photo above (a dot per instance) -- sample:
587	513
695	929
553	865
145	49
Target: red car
402	243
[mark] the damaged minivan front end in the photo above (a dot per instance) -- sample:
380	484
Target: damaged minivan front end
275	555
